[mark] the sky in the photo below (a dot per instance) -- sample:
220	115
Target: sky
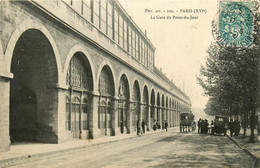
181	44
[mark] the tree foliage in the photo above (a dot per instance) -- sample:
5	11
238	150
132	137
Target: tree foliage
231	76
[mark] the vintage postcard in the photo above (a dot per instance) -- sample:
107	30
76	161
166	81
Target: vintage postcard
129	83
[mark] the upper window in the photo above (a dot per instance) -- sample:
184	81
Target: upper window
77	73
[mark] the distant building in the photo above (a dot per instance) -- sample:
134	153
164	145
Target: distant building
78	69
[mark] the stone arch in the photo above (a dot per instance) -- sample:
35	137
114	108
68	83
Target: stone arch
152	99
152	109
78	77
83	50
145	101
106	63
158	99
34	63
123	107
163	110
26	25
107	73
136	91
159	109
80	62
106	89
121	74
136	98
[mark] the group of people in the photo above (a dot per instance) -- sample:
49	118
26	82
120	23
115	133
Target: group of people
234	127
203	126
141	126
157	125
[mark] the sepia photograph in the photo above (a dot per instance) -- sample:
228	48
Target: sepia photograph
130	83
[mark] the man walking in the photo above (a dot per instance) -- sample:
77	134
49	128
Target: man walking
138	126
143	126
165	125
199	126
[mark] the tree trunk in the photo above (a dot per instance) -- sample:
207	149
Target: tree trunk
244	124
252	126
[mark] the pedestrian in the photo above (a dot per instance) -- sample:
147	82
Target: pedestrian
212	127
158	125
138	126
143	127
206	124
237	127
202	126
199	126
231	127
165	125
154	125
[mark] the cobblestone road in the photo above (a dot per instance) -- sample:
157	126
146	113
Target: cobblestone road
162	149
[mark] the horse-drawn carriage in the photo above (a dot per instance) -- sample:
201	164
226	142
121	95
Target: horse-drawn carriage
187	122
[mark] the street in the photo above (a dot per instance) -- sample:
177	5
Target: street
161	149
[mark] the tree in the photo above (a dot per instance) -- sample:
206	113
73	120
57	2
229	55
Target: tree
231	78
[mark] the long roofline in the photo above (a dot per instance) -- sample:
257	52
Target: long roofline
133	22
169	82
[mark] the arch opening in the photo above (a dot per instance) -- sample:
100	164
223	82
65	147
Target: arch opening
106	90
123	111
145	109
78	98
136	97
35	71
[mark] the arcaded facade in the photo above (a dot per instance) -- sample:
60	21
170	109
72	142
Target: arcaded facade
77	70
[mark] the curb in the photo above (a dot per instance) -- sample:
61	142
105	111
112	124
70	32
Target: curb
39	156
248	152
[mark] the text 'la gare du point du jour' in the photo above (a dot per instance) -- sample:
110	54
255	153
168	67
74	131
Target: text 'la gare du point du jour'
160	13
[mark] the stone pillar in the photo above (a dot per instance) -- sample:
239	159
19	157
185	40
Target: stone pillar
178	118
155	112
175	117
114	116
128	117
94	131
163	117
61	115
139	111
160	115
170	117
4	112
148	117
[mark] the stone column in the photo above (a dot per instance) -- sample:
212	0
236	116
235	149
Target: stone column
148	117
160	115
94	131
4	112
128	117
155	112
175	117
139	111
163	117
114	116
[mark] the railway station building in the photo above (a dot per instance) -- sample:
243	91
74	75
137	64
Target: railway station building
73	69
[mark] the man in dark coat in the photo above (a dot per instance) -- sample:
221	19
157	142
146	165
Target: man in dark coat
138	126
231	127
165	125
199	126
143	126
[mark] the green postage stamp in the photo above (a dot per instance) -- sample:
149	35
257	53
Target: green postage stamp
236	22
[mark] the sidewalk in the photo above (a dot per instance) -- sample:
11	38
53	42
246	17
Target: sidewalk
252	149
26	152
